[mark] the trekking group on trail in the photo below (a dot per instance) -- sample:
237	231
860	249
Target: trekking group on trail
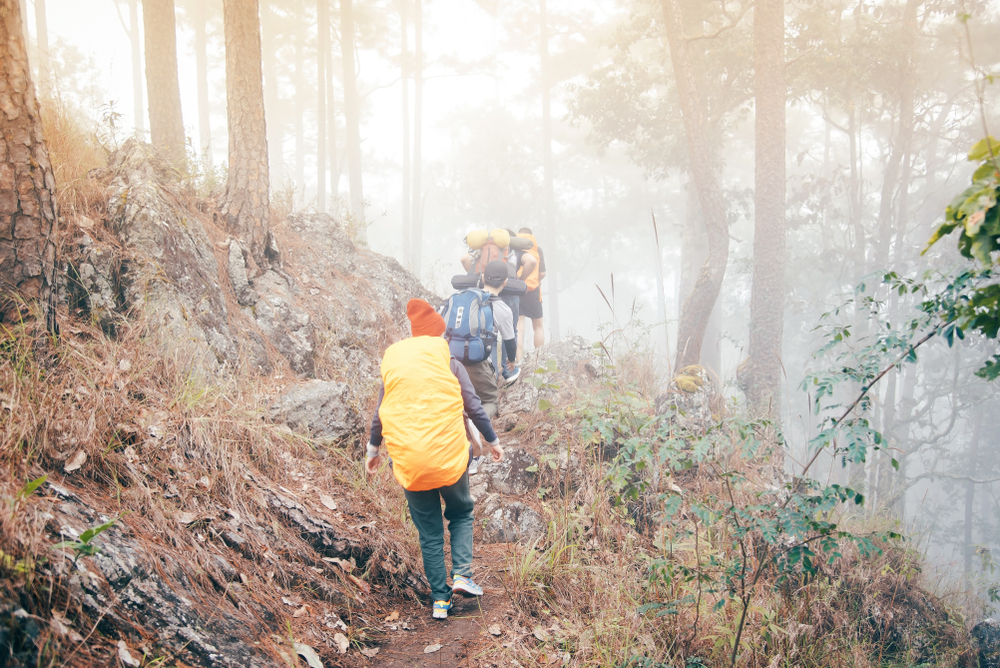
440	391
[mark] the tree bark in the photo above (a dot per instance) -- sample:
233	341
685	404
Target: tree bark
331	119
28	228
201	64
246	206
417	206
138	106
767	296
42	46
549	205
404	57
272	103
301	90
698	305
166	125
322	48
970	489
352	115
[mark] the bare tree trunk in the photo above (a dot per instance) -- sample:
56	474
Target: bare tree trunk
166	124
301	90
352	115
417	215
138	106
322	49
970	487
272	103
549	204
246	205
904	138
405	77
201	64
331	116
28	229
42	46
699	304
767	297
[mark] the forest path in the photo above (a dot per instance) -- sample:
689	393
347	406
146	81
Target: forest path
463	636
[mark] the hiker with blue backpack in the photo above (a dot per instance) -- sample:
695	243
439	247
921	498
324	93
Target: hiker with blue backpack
473	319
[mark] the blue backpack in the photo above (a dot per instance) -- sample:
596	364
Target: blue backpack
468	318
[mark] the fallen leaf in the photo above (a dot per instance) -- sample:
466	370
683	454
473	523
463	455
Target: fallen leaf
495	630
309	654
187	518
366	525
430	649
342	642
360	584
393	617
301	612
76	462
370	652
125	656
124	365
289	602
328	501
346	565
540	633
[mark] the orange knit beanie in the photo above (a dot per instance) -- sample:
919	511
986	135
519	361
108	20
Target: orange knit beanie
424	320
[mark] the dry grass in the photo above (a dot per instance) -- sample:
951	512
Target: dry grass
74	150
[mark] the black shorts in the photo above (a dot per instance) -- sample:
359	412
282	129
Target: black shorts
531	304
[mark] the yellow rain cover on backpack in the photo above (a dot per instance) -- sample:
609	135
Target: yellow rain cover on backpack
479	238
421	414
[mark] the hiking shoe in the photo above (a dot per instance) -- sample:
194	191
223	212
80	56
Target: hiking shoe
466	587
474	465
510	378
441	609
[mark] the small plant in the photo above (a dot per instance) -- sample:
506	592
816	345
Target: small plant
84	546
25	492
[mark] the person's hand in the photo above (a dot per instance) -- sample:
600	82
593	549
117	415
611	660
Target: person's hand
496	452
510	365
372	459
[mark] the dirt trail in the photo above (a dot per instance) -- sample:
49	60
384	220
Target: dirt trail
462	636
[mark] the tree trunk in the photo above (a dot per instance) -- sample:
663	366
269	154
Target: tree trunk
246	205
767	297
322	48
404	76
331	119
166	124
970	488
201	64
301	90
138	108
549	204
698	306
417	210
272	103
28	229
904	138
42	46
352	115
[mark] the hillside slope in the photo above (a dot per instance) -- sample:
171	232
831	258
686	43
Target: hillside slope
214	423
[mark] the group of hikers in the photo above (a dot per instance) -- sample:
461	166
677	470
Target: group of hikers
440	392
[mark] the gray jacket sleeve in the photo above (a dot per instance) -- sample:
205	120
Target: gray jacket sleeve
473	406
376	434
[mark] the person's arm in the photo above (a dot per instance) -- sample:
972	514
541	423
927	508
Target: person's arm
528	263
505	324
473	406
372	458
467	262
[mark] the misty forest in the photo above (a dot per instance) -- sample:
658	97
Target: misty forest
747	247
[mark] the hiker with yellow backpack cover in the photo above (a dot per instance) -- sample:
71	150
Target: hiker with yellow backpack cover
420	417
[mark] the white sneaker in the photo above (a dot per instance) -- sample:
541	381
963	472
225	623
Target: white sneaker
474	465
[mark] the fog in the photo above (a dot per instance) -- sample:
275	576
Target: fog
881	110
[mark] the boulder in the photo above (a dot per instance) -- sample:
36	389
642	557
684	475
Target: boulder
986	635
508	522
320	409
511	476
